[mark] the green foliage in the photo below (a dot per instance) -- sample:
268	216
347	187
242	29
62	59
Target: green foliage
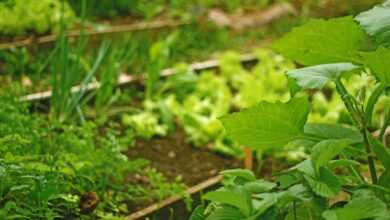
376	61
315	77
19	17
323	41
151	8
360	207
280	123
148	123
45	168
376	23
325	150
335	165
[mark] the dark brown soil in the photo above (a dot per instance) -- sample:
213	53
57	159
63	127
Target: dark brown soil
173	156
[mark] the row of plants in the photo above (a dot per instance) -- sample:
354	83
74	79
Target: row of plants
19	17
346	172
174	8
70	163
44	17
54	167
130	53
68	137
66	171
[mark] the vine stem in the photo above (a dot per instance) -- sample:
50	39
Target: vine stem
370	158
360	121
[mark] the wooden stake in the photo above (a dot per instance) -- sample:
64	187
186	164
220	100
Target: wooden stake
248	160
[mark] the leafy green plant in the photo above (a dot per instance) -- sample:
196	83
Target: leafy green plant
69	68
339	153
19	17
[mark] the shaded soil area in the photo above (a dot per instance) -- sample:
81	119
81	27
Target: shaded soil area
173	156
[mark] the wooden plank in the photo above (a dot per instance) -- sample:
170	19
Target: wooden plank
90	32
192	190
125	78
261	18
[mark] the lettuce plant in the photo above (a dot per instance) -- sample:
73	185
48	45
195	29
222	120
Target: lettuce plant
347	173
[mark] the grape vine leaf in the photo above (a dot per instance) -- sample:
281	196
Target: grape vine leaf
323	41
378	62
268	124
315	77
363	207
376	22
326	150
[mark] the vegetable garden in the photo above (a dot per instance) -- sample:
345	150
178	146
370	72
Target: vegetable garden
198	110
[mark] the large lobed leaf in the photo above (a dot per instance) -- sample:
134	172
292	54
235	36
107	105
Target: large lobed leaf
268	124
376	22
379	63
323	41
315	77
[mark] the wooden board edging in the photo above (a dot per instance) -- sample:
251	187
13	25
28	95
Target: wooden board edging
192	190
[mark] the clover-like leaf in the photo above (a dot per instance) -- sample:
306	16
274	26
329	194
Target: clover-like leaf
323	41
376	22
268	124
315	77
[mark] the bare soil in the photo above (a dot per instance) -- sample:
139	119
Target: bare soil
173	156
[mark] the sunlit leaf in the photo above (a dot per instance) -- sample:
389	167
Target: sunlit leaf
268	124
323	41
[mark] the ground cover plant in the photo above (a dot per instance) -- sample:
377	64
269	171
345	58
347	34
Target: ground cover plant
38	17
346	175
